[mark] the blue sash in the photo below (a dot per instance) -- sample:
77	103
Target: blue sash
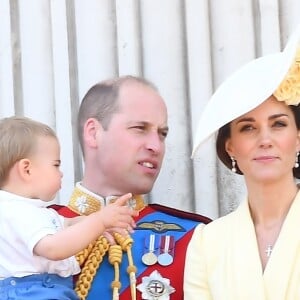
153	221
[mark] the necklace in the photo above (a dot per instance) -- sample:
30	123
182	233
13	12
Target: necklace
269	250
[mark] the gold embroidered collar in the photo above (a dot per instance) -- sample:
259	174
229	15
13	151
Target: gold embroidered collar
85	202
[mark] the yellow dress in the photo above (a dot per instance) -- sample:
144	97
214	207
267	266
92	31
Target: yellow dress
223	263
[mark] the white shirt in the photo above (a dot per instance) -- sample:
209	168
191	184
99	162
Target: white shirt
23	222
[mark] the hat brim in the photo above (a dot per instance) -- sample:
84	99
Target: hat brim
244	90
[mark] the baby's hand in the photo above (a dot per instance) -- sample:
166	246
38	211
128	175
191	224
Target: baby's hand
118	215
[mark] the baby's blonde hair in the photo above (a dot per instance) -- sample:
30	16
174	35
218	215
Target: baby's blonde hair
18	137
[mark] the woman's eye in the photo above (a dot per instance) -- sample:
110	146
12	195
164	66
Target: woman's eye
246	128
280	124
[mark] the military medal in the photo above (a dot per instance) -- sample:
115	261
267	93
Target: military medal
166	255
151	246
155	287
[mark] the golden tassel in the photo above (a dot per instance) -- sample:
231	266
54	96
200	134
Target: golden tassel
115	258
126	244
91	265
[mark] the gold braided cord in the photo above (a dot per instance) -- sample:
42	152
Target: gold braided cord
126	244
91	265
115	258
89	259
82	255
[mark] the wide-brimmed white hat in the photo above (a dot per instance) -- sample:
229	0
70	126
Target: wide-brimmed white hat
245	89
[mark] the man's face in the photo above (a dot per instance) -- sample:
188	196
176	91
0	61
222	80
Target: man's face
131	150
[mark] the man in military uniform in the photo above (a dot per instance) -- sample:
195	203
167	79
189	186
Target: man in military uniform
122	126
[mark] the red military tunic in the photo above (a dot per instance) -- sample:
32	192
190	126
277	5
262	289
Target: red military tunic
159	274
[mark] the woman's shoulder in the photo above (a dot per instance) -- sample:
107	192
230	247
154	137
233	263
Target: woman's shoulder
220	222
224	225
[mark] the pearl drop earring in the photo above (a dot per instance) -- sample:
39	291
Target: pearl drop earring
296	161
233	164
